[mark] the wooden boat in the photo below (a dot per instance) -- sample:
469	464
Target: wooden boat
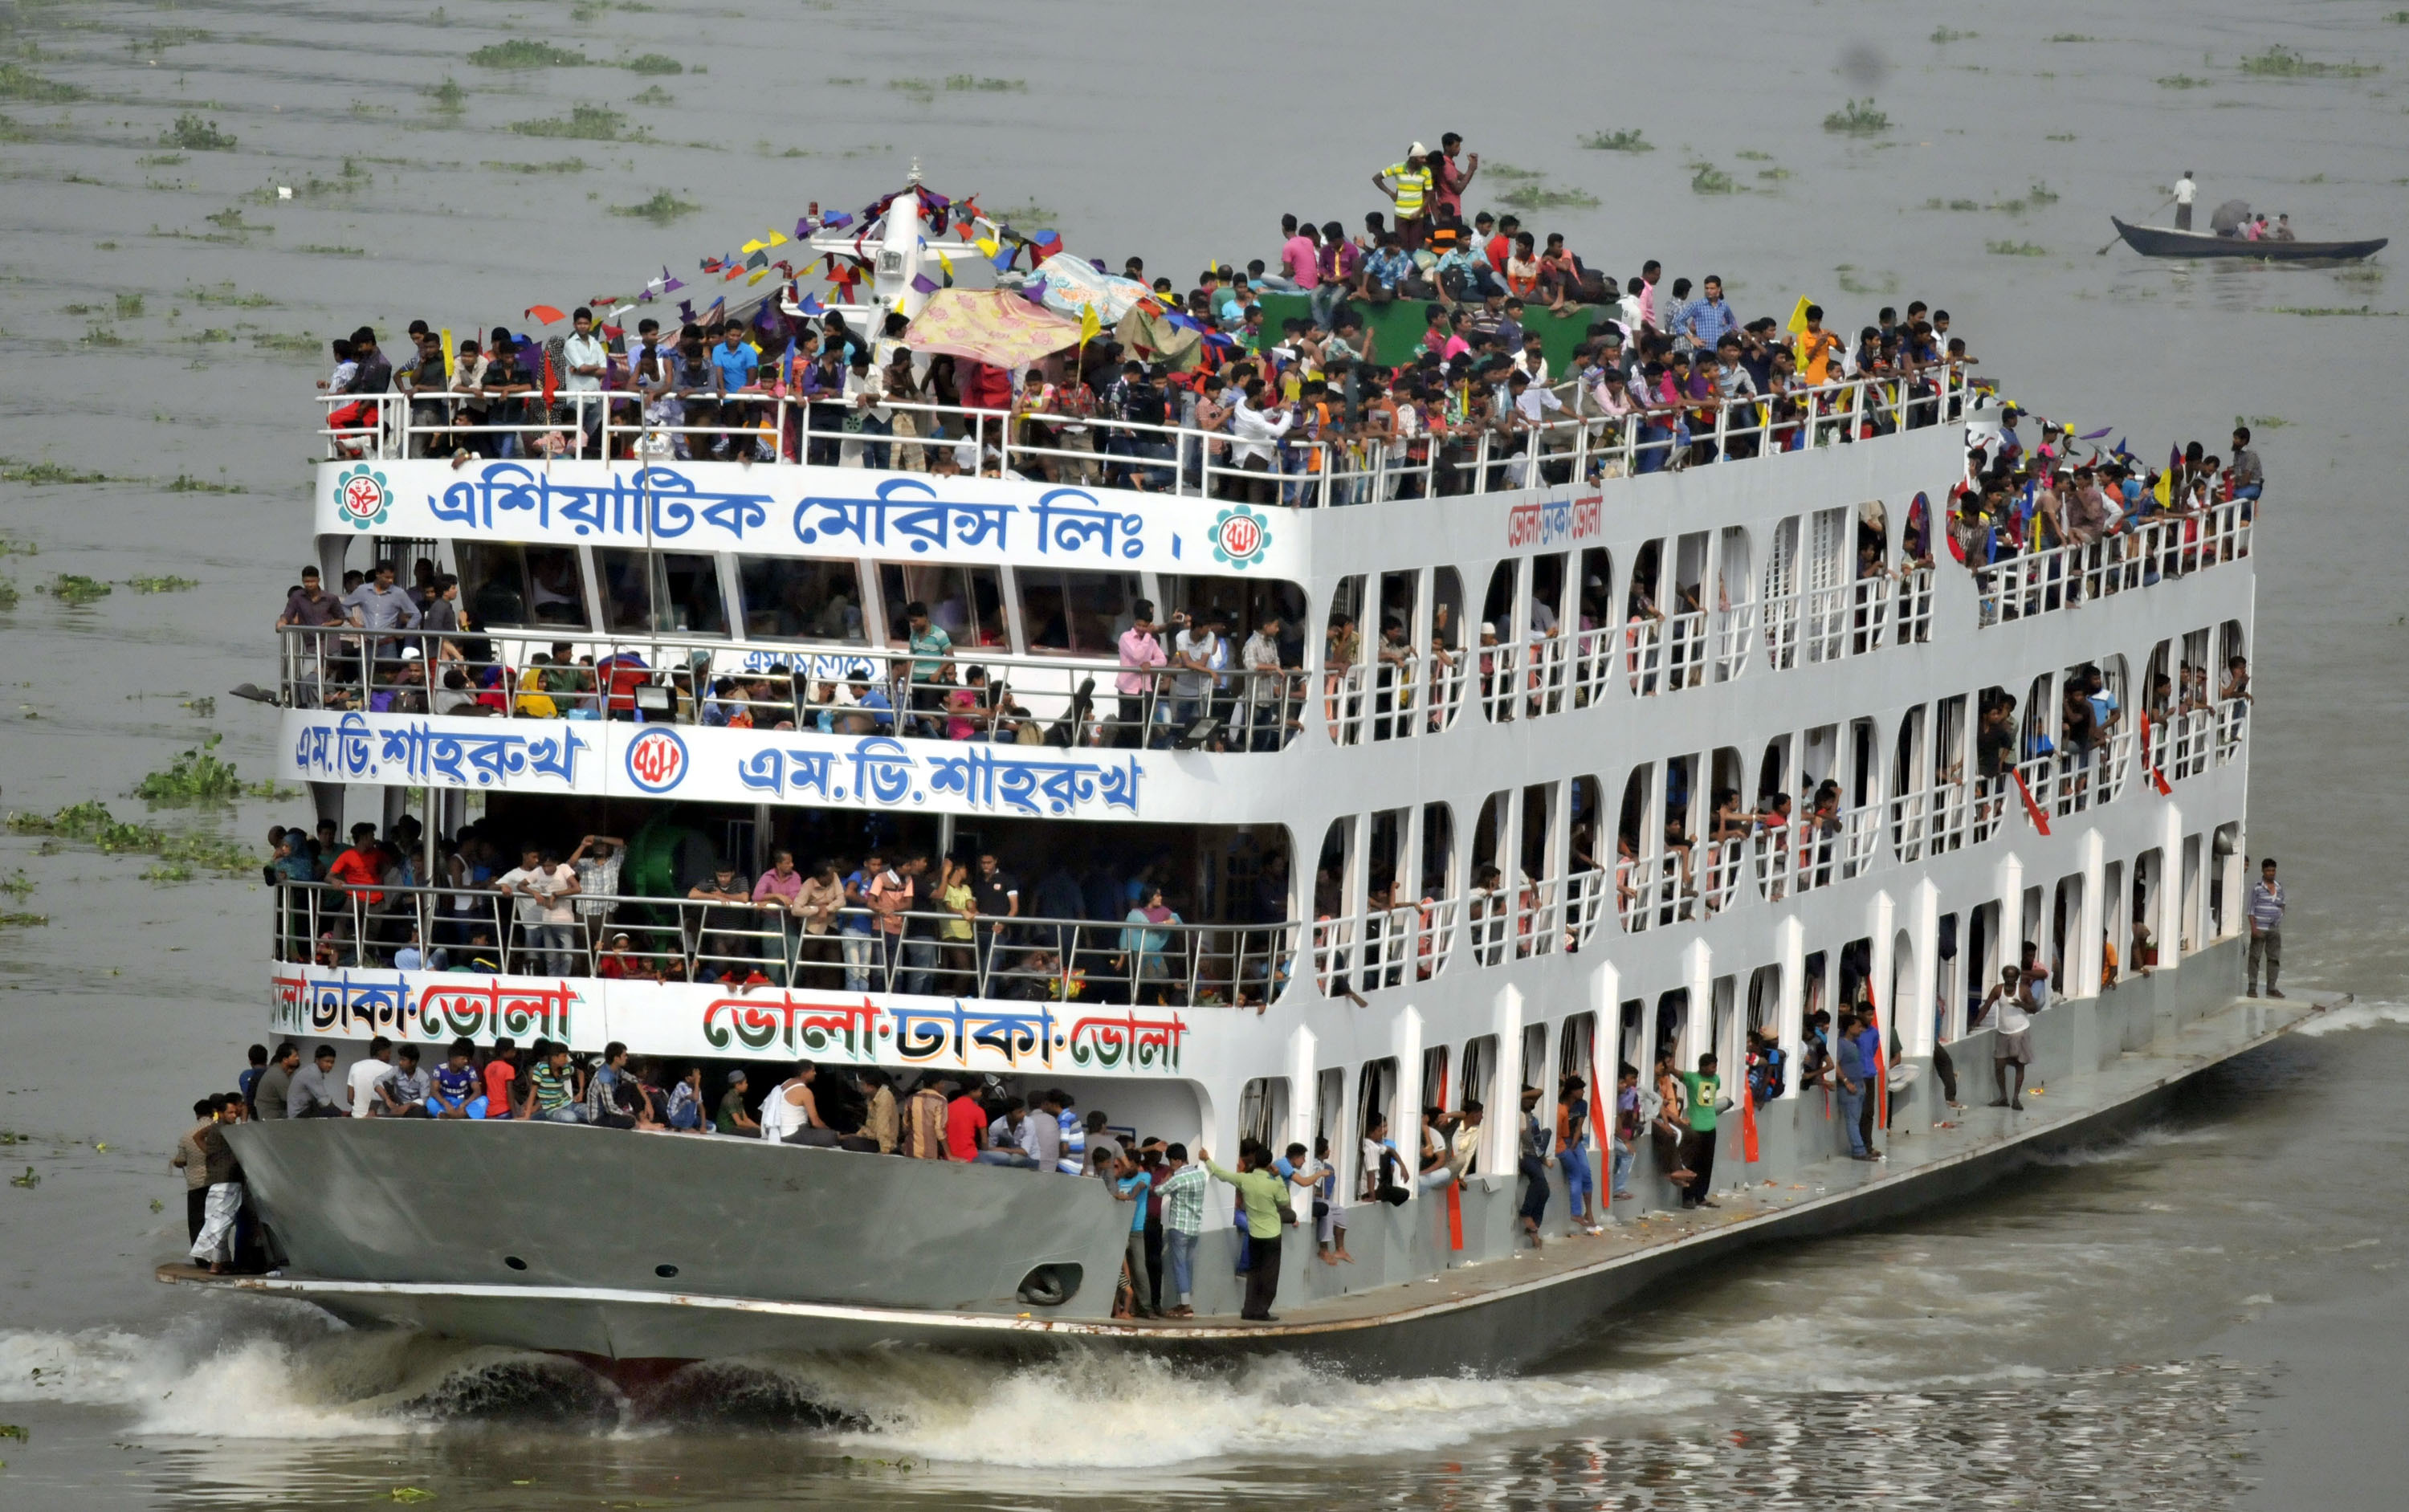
2159	241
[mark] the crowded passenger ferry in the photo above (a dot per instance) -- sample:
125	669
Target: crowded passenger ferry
1419	751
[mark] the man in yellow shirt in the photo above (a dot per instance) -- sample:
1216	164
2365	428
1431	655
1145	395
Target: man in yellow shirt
1410	184
1259	1187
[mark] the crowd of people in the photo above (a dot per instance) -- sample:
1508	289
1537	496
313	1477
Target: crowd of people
1301	409
900	918
2018	501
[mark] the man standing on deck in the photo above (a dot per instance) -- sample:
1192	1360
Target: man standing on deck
2014	1042
2266	926
1260	1188
1852	1079
214	1245
1410	183
1705	1090
2185	192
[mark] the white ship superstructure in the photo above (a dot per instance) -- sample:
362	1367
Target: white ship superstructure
1482	860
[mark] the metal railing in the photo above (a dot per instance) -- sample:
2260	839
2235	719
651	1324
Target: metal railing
741	945
1419	693
970	694
783	426
2063	577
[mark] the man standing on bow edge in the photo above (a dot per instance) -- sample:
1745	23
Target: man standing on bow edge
2267	902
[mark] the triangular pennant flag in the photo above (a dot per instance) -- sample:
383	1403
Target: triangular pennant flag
1799	316
753	246
947	264
986	245
1034	291
686	310
810	306
1047	243
776	238
923	283
758	259
2095	435
545	313
805	227
758	276
836	221
1089	324
1005	259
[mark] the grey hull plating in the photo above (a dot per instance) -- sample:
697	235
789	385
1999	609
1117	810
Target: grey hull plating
771	1239
446	1204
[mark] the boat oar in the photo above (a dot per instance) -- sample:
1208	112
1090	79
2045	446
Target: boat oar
2120	236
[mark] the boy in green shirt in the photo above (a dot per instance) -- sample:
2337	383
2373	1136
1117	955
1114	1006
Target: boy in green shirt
1259	1187
1703	1088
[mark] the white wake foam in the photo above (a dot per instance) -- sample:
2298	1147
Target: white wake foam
2355	1015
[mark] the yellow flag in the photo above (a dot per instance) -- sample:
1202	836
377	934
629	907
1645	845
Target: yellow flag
2165	492
1799	316
752	247
1089	324
987	246
757	276
448	350
947	264
775	239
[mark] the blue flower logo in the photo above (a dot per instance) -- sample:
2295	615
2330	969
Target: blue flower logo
1240	537
365	500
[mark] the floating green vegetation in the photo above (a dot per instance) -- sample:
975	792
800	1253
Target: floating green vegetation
1752	155
2364	311
19	548
271	341
1773	173
583	124
7	593
448	97
1706	179
161	160
171	583
97	335
654	63
1937	203
2182	82
662	208
1532	196
75	588
1857	118
2260	421
1512	170
129	305
223	294
200	775
653	94
194	135
2042	193
970	82
333	251
1618	141
18	83
39	473
29	1181
565	165
2060	137
92	823
230	219
527	52
1943	36
2015	248
2071	37
2280	62
16	885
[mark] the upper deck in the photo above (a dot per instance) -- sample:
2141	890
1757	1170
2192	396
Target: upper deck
758	611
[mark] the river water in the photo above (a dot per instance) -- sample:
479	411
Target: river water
2207	1315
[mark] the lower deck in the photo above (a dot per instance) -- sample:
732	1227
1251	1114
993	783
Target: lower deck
1417	1298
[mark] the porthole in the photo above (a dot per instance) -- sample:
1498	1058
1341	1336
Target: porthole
665	1271
514	1262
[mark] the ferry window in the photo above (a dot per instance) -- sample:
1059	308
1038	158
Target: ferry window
1082	614
1479	1070
1246	601
1263	1108
504	585
659	592
1434	1077
1376	1093
1596	601
787	598
965	603
1447	609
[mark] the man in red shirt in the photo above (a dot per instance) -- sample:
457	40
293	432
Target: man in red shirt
966	1121
500	1071
1448	188
359	866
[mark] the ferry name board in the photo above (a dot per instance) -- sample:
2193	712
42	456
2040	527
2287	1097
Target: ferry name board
709	1020
802	511
617	759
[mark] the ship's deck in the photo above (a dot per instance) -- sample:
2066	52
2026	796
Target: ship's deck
1923	1165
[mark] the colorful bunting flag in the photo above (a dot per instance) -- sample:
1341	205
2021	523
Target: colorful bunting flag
544	315
923	283
1089	324
753	246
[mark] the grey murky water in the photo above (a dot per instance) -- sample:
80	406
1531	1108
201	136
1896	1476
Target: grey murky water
2189	1321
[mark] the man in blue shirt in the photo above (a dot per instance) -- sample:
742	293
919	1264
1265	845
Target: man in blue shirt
1853	1086
2266	900
1706	320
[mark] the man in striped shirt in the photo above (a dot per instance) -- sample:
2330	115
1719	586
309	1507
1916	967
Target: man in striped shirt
1183	1221
2266	926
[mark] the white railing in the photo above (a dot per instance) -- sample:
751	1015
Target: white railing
831	687
1418	694
2062	577
2233	725
1726	863
752	945
783	426
1736	630
1657	890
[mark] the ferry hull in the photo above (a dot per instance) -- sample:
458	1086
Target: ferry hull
2109	1064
